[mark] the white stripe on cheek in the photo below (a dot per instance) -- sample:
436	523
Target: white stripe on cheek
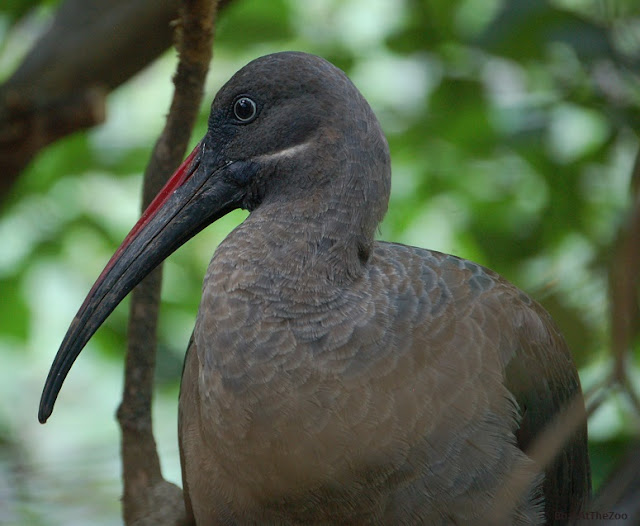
287	152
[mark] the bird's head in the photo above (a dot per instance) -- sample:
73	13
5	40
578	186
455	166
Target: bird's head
290	124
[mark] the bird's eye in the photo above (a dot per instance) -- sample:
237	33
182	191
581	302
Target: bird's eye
244	109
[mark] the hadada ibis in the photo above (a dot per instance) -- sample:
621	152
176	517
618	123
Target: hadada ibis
332	378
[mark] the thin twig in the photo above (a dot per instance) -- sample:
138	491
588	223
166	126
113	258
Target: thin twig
598	393
542	451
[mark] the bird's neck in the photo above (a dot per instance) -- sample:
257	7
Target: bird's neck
315	243
318	225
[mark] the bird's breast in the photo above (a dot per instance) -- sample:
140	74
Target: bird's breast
287	378
389	377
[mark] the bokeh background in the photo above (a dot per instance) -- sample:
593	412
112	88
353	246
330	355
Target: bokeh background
513	128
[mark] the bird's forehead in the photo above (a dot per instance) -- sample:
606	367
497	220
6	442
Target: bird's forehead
284	75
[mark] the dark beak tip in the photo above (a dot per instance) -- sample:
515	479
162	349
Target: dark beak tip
44	411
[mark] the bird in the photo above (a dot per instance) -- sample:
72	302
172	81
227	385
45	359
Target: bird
332	378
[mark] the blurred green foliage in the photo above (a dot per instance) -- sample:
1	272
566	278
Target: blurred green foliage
513	131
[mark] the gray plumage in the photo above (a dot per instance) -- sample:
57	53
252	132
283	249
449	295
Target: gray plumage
330	378
334	379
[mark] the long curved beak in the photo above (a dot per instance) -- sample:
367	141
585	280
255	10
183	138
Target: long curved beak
194	197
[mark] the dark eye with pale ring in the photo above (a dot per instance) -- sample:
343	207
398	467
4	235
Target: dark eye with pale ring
244	109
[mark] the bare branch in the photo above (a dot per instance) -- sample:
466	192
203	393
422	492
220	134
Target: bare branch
148	498
542	451
91	48
26	128
624	285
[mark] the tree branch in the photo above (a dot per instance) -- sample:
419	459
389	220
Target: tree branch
624	286
148	498
60	87
27	126
92	47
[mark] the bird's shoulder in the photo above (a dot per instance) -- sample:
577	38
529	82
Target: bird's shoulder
452	290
